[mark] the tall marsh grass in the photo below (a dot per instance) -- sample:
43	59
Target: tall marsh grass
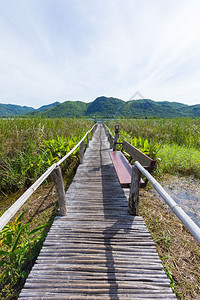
29	146
175	141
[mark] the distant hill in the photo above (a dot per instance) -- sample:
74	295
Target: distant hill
104	107
107	107
14	110
150	108
192	110
66	109
45	107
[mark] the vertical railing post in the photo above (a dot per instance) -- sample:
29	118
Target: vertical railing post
116	136
134	191
81	152
108	136
56	176
88	140
110	140
92	132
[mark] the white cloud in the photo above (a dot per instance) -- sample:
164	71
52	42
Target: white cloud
63	49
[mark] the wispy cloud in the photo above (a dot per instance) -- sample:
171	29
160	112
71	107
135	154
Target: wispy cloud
73	49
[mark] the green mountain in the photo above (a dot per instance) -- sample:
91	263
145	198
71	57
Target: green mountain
109	107
14	110
44	107
38	111
66	109
149	108
106	107
175	105
193	110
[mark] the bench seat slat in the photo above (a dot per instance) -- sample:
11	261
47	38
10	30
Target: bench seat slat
122	167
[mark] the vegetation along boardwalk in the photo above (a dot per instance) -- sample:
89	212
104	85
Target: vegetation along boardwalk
98	250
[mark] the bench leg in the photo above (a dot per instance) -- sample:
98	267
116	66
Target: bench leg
134	192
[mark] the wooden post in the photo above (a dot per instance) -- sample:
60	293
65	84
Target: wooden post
116	136
92	133
108	138
134	191
111	141
88	140
56	175
81	152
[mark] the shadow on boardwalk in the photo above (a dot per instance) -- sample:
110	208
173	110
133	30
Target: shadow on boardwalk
119	220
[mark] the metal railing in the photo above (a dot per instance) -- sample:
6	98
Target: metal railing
137	169
179	212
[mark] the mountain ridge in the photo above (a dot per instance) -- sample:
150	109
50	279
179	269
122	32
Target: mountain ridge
106	107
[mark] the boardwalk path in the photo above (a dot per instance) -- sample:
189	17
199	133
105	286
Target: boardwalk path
98	251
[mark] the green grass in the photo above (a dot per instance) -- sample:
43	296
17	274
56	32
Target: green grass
175	141
181	131
179	159
30	145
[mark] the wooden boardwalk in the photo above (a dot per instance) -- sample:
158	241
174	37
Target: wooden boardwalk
97	251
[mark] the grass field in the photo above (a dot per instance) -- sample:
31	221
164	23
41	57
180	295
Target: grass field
175	143
29	146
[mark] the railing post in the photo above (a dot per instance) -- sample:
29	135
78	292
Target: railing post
81	152
108	136
134	191
88	140
56	175
110	139
116	136
92	132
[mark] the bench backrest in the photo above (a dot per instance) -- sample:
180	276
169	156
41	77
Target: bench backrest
138	155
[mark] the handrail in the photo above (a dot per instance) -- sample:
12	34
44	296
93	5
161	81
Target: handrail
10	212
108	130
109	135
179	212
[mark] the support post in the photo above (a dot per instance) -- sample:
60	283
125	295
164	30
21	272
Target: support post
88	140
110	140
134	192
81	152
116	136
56	176
92	132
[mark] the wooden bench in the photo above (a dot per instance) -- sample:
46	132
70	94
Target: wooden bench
123	167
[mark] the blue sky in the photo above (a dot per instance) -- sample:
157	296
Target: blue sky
58	50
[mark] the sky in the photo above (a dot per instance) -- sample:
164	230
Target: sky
58	50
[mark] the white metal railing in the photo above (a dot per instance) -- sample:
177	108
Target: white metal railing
137	169
179	212
5	218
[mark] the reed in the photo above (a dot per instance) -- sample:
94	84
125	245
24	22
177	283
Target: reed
175	143
29	146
